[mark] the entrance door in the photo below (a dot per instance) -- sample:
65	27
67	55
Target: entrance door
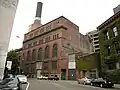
63	74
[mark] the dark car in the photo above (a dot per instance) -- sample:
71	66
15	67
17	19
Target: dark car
10	84
102	82
53	77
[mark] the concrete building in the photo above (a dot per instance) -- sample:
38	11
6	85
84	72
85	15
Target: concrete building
46	48
116	9
7	14
95	40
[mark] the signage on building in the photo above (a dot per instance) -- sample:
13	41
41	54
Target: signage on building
9	64
72	65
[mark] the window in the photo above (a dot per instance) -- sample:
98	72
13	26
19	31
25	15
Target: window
117	47
95	38
55	50
97	46
35	43
95	35
47	39
41	30
115	31
41	41
108	50
48	28
28	56
36	33
29	45
111	66
96	42
40	54
108	35
34	55
47	52
45	66
31	35
56	36
97	50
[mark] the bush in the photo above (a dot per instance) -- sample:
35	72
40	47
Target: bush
113	75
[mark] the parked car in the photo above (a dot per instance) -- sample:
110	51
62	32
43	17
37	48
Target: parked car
42	77
53	77
10	84
22	79
102	82
84	80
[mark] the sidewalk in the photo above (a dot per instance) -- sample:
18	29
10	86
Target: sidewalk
117	86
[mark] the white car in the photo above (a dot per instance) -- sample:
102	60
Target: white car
84	81
22	79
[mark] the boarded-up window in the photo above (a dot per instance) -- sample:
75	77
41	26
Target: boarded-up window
55	50
47	52
40	54
34	55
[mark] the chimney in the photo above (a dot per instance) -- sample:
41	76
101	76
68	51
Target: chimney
37	21
38	11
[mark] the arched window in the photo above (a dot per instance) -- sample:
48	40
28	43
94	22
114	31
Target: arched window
54	50
28	56
47	52
34	55
40	54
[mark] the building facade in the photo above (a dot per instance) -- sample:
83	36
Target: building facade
7	14
94	40
87	65
109	38
46	48
116	9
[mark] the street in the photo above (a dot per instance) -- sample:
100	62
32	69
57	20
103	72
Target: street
60	85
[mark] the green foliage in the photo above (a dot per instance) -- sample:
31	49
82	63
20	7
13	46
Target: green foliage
88	62
113	75
103	43
13	56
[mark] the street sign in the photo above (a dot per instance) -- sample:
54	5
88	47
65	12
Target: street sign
9	64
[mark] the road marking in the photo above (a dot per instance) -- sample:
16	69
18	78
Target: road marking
28	84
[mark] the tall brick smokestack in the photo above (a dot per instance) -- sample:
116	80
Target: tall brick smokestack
37	21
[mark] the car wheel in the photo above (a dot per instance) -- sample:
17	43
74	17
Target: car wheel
84	83
91	84
101	85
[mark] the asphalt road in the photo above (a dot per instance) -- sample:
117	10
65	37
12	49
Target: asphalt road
60	85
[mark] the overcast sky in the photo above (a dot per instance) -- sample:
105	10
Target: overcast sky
87	14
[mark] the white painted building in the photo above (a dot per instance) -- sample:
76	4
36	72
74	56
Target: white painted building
7	14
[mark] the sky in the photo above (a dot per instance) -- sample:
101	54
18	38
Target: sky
87	14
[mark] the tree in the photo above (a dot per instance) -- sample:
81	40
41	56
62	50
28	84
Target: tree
14	57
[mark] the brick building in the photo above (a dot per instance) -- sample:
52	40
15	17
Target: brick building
109	38
46	47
